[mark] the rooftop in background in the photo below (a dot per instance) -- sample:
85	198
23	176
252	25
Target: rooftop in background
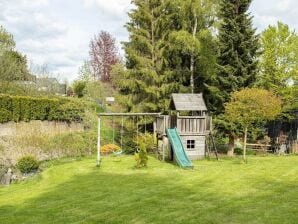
187	102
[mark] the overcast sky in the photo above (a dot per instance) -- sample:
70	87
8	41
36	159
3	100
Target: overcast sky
58	32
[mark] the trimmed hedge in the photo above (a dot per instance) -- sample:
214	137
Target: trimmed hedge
26	108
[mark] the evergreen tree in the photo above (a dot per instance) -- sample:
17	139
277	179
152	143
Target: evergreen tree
239	46
142	83
165	53
238	53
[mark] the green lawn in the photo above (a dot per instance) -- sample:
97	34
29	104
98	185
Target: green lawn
263	191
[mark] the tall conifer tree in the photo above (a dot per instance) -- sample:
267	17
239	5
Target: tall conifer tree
143	82
239	46
170	50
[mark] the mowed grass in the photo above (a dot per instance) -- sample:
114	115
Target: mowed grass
263	191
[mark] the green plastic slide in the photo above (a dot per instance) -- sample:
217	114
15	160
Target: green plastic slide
177	146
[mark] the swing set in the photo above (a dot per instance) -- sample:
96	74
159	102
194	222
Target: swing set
122	115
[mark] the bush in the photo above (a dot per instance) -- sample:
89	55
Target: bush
249	152
25	108
109	148
147	140
79	88
141	157
27	164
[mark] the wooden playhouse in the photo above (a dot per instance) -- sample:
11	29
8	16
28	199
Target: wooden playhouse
189	117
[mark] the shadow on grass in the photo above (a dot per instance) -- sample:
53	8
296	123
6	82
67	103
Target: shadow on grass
104	197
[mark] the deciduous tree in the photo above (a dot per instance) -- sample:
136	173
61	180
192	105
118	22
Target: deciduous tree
248	106
104	54
279	62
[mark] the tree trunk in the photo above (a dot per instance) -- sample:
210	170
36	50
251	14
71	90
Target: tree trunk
231	146
192	57
244	145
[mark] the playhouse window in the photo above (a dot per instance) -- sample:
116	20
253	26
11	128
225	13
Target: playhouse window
190	144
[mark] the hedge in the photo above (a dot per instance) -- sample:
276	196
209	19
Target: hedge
26	108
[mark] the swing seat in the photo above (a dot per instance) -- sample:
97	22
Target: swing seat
118	153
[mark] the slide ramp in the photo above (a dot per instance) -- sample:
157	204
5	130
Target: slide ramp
178	148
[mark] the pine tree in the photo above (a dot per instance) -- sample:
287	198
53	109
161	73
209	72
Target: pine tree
170	43
239	46
142	82
238	53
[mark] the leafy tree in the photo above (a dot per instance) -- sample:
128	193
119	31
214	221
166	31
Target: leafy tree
7	42
191	47
79	88
248	106
85	72
104	54
13	67
278	62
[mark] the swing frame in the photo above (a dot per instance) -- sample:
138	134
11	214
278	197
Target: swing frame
118	115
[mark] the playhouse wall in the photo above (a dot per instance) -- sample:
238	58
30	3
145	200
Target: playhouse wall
199	151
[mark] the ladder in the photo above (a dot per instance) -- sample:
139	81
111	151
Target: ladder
211	146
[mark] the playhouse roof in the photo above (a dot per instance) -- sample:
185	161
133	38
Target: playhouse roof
188	102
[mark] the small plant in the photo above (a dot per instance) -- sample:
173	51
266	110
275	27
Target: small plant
148	141
141	157
109	148
27	164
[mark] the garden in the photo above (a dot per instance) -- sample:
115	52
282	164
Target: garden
196	121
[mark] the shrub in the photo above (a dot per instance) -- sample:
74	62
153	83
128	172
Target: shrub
147	140
109	148
141	157
79	87
239	151
27	164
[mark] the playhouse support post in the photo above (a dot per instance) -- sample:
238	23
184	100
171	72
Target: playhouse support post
98	143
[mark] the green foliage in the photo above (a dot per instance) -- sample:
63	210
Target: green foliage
146	140
239	48
13	65
249	106
278	63
164	46
141	156
239	151
252	105
79	88
279	57
27	164
7	42
25	108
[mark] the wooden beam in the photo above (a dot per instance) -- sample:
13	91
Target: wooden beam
98	143
130	114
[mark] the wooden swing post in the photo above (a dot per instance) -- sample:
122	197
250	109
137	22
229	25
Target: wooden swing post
98	143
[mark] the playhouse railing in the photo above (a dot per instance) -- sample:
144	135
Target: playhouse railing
191	125
184	124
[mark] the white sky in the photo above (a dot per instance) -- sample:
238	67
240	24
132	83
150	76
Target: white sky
58	32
